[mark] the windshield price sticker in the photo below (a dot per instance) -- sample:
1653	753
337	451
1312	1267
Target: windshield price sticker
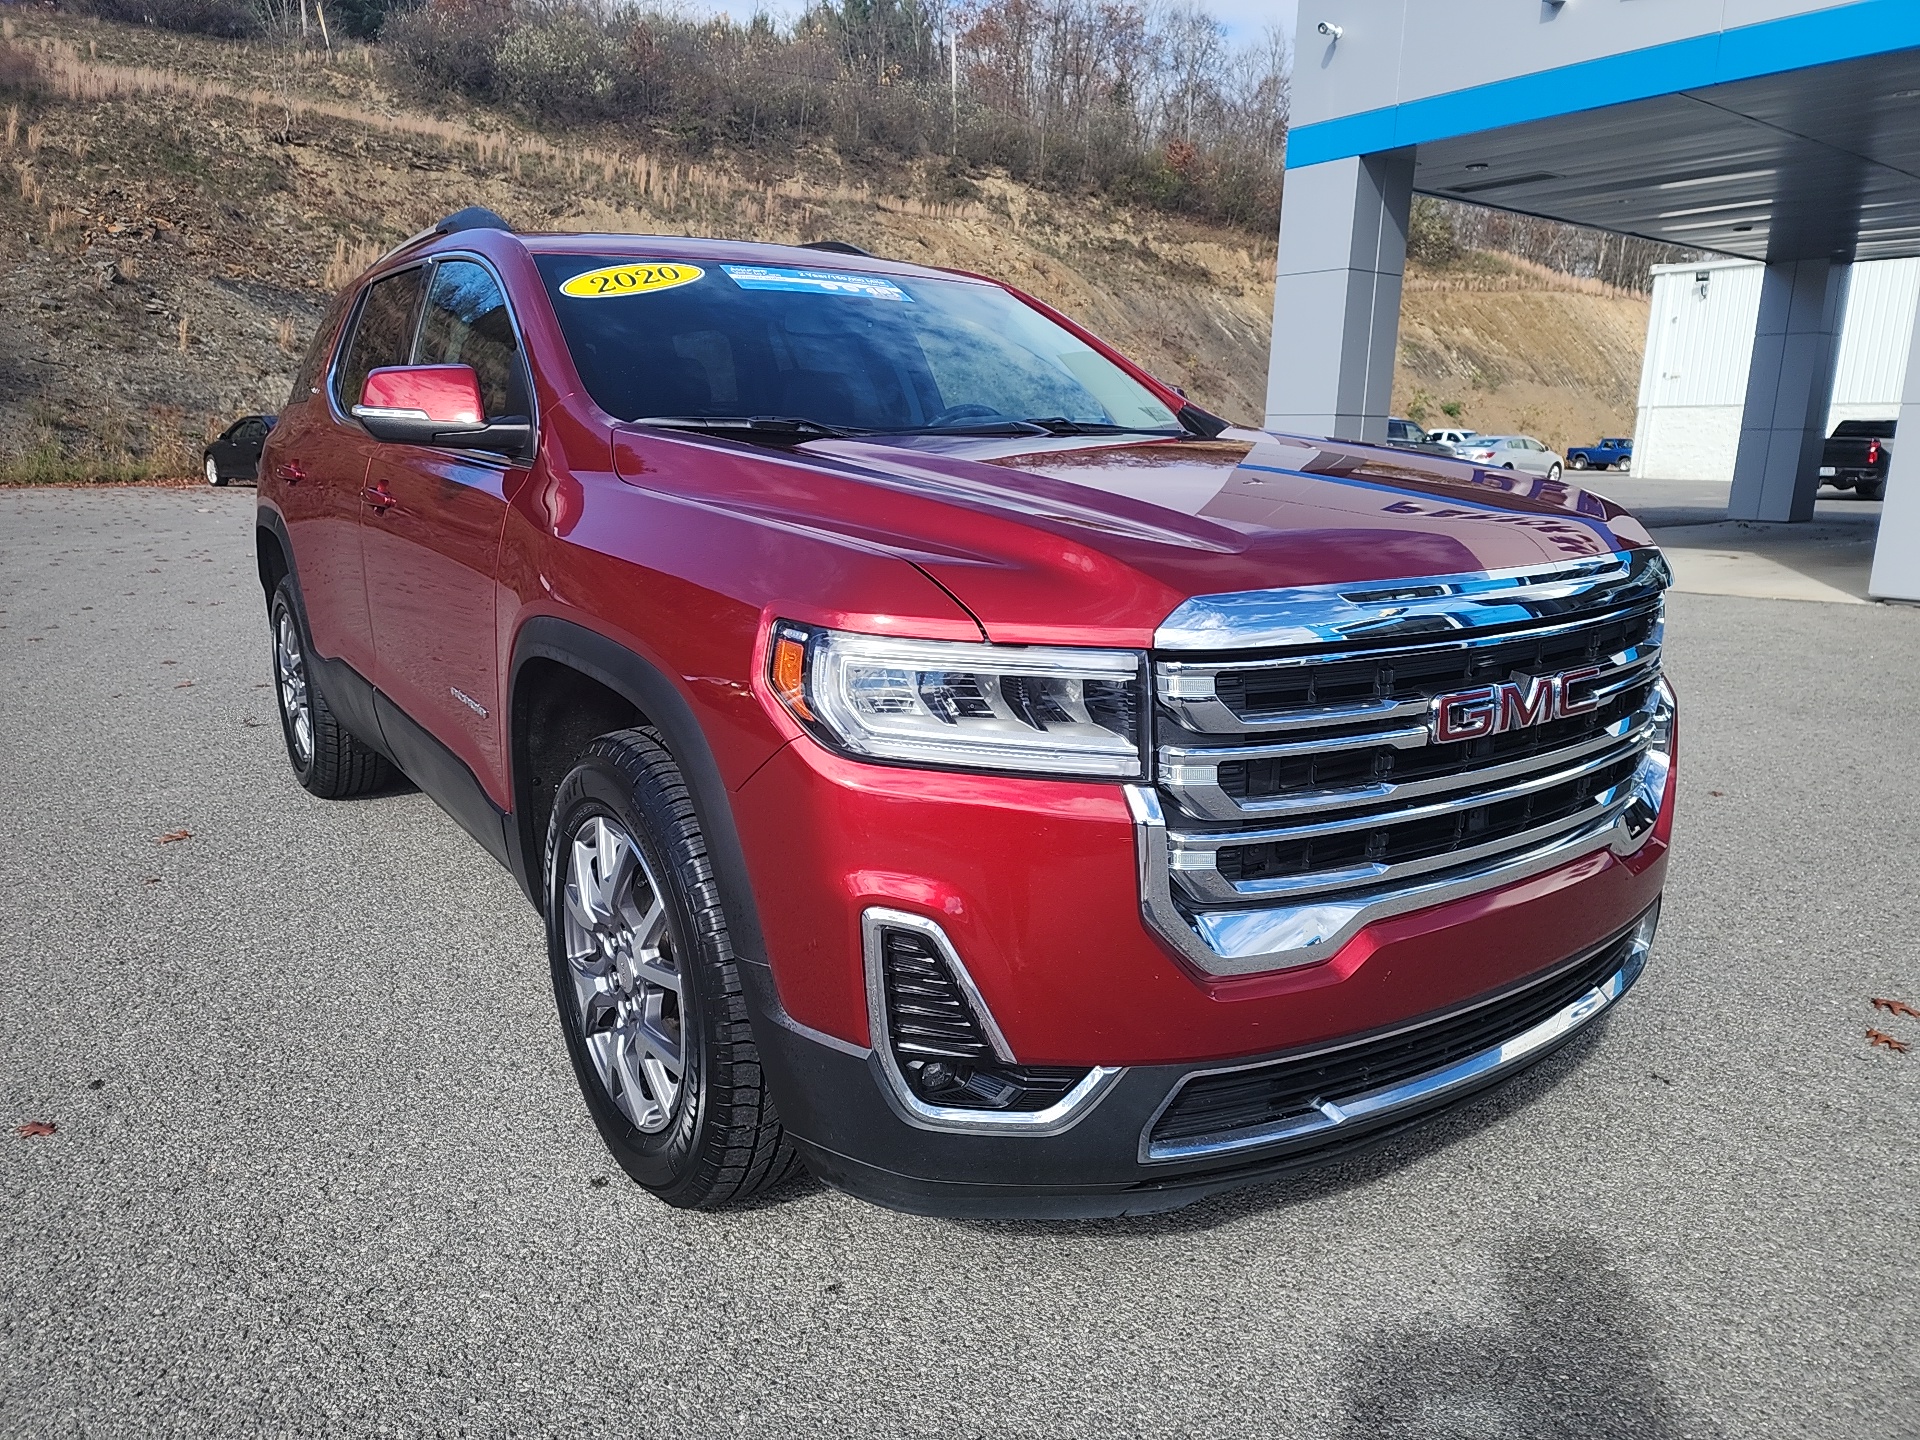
814	282
640	279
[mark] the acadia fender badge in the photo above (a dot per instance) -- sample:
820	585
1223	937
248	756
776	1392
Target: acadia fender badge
468	701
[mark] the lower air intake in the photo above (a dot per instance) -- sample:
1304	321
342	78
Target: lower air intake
939	1044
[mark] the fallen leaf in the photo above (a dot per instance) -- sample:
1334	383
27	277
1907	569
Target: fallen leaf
34	1129
169	662
184	685
173	835
1716	792
96	1084
1887	1042
1895	1007
251	723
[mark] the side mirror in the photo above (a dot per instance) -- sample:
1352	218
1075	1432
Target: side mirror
436	405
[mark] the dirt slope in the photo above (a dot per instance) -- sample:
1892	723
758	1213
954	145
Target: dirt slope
174	212
1518	348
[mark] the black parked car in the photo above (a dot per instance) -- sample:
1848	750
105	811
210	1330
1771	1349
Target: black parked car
235	455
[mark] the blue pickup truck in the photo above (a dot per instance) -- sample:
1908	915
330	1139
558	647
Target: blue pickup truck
1604	456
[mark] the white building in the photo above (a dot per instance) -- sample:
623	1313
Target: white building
1700	334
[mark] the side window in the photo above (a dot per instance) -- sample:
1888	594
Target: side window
307	377
467	324
381	336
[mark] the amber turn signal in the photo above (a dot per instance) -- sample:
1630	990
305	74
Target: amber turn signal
789	675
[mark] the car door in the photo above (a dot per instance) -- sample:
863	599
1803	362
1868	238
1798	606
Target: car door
430	535
320	464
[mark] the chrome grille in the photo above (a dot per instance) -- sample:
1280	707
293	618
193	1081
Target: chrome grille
1309	775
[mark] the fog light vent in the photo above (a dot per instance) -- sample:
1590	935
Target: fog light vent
939	1044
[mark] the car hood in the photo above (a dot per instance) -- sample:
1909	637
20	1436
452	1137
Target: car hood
1092	541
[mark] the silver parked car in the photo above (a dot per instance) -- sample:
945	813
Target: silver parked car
1512	452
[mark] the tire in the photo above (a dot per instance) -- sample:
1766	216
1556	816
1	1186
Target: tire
214	477
1870	489
644	977
1578	462
1553	471
327	759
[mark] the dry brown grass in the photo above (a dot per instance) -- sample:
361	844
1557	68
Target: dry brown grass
349	260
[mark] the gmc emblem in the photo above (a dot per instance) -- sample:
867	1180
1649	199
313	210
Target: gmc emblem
1512	705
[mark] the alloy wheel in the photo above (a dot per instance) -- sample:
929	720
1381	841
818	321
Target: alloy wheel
626	973
213	471
290	667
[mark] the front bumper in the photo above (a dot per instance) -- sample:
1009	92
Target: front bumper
845	1111
1037	888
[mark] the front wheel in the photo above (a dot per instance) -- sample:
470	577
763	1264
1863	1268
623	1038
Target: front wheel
647	985
1553	471
327	758
214	477
1578	462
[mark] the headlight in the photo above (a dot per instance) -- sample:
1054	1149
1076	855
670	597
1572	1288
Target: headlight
973	707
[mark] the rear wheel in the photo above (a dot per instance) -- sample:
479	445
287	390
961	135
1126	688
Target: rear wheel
1874	489
214	477
326	757
647	985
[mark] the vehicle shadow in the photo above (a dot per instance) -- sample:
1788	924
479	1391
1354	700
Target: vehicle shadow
1570	1355
1346	1173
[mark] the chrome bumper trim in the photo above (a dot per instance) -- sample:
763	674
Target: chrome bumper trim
1247	940
1422	1090
1062	1115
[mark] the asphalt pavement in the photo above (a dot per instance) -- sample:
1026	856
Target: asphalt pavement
320	1165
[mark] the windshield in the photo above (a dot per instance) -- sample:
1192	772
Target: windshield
853	351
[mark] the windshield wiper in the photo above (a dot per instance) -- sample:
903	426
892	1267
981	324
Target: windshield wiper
1060	425
982	427
752	427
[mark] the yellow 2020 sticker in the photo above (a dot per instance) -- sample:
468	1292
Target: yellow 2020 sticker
638	279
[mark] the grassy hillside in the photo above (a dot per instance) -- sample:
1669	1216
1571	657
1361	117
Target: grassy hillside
174	212
1504	345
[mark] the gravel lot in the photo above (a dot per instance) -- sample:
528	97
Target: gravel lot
321	1165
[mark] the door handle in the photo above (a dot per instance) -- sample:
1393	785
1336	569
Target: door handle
377	496
290	472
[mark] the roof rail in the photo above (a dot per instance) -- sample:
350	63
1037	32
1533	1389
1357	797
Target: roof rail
474	217
838	247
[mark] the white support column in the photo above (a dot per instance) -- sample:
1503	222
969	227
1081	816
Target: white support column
1336	296
1783	428
1896	552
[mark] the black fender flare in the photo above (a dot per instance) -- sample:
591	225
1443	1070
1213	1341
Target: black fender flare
266	517
606	661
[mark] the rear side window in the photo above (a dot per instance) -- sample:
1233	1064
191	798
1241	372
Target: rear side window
467	323
383	335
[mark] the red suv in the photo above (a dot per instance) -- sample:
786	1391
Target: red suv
944	757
